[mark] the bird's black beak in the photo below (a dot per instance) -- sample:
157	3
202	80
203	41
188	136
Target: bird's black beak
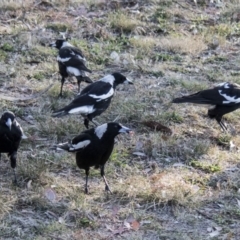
127	81
88	80
125	130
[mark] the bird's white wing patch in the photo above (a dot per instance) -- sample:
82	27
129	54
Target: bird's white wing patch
84	110
100	130
79	145
108	79
220	84
19	126
62	59
103	96
229	99
59	149
73	71
81	58
66	44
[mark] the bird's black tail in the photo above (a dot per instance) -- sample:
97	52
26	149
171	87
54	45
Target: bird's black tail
59	113
194	98
84	68
63	146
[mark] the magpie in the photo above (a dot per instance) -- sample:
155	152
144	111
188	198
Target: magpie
11	134
93	147
225	96
71	61
94	99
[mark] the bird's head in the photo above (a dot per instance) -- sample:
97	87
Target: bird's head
120	79
59	43
111	130
8	119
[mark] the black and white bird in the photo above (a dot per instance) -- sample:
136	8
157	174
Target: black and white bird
225	97
11	134
93	147
71	62
94	99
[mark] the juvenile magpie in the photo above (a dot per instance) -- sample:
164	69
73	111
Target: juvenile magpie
71	61
11	134
225	97
93	147
94	99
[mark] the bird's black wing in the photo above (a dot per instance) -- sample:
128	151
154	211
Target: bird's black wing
85	103
10	139
223	94
68	57
77	144
97	88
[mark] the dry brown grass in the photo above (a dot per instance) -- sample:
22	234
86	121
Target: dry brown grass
180	186
183	44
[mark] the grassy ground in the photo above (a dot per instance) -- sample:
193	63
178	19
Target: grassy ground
180	186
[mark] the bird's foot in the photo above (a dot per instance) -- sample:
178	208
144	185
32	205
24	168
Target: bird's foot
108	189
15	182
86	190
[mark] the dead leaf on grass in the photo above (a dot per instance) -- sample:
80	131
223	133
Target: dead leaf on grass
29	184
135	225
157	126
127	224
50	194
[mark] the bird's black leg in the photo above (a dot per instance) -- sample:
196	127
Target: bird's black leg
94	122
222	125
105	180
13	159
62	82
86	184
79	79
86	123
79	86
15	176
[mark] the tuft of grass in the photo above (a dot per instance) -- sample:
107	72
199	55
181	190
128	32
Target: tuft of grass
180	44
39	76
59	27
205	167
123	22
143	43
3	55
172	117
7	47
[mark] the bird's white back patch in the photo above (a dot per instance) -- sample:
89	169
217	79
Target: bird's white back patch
79	145
19	126
100	130
62	59
108	79
66	44
229	99
224	84
103	96
84	110
73	71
